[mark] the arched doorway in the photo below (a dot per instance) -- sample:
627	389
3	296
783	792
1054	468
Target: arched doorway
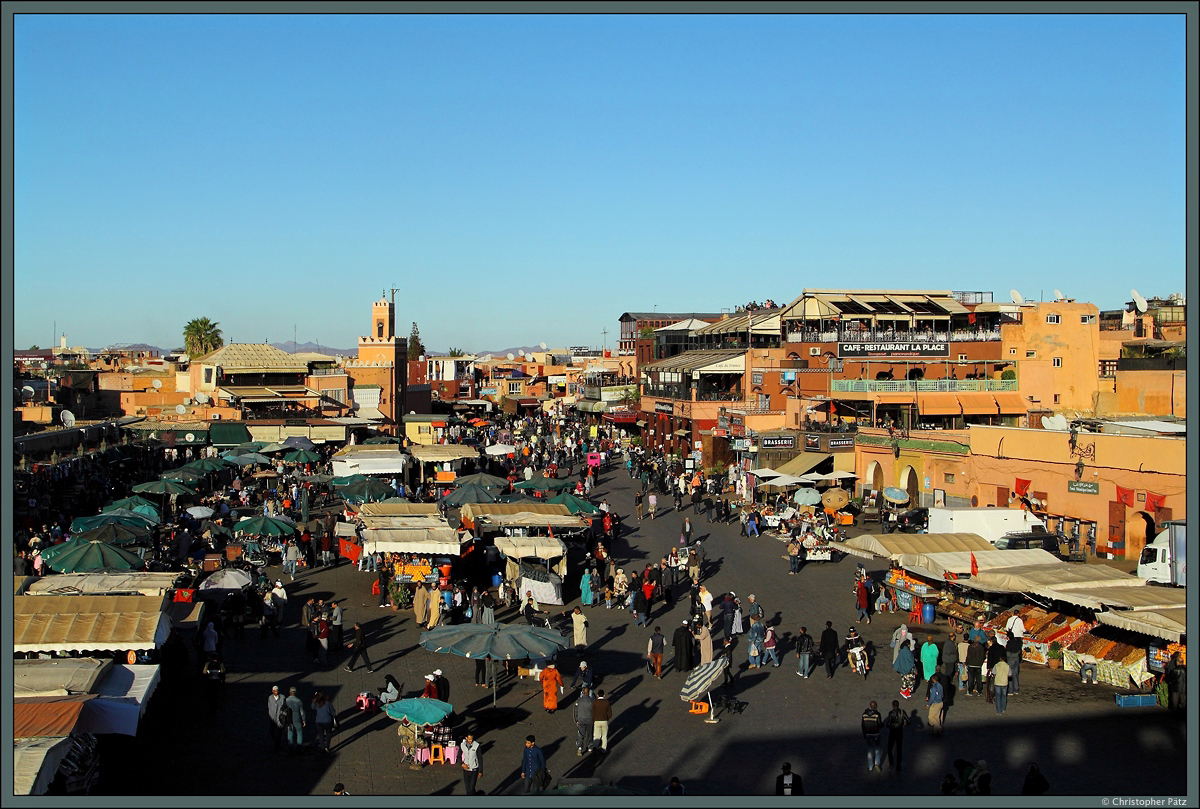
1138	532
908	482
874	476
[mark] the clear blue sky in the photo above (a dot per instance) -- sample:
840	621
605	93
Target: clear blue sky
530	178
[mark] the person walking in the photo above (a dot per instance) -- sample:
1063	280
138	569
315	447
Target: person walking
325	718
862	600
830	642
1016	643
585	588
769	642
906	666
533	765
581	712
950	657
335	625
872	726
275	702
704	642
298	722
976	656
552	686
601	716
896	721
654	651
898	637
685	532
468	749
754	643
442	685
804	650
934	703
214	678
929	657
639	604
638	500
358	647
579	627
652	504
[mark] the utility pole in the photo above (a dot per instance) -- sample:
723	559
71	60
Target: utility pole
604	332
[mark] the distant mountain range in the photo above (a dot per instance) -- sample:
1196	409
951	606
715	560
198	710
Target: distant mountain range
304	348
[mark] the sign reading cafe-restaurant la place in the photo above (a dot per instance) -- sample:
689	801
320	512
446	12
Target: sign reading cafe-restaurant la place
853	350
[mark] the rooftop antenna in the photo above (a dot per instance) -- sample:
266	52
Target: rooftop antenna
604	332
1138	301
1017	297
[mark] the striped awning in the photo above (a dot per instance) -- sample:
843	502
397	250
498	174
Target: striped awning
977	404
938	404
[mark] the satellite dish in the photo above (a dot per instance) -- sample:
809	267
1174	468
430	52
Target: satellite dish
68	418
202	398
1017	297
486	358
1138	300
542	346
187	401
510	355
1055	422
180	409
1058	296
156	383
522	353
28	392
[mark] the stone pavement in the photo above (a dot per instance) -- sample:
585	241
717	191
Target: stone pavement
1083	743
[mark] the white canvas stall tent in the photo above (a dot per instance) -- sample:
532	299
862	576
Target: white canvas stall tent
408	528
1169	624
935	565
89	623
132	583
36	761
114	695
893	546
369	459
481	517
58	677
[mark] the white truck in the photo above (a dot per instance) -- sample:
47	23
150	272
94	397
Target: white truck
1163	561
990	523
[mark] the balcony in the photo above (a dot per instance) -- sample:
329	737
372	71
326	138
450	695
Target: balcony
921	385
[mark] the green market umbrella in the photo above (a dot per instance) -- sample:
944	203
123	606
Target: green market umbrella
302	456
318	478
346	480
84	556
182	474
249	446
139	518
468	494
541	483
278	446
482	479
81	524
382	439
264	527
163	487
132	504
366	491
205	465
114	534
419	710
248	458
298	442
493	642
575	505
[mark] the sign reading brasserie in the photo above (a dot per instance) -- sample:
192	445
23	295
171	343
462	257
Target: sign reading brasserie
854	350
1083	487
839	443
777	442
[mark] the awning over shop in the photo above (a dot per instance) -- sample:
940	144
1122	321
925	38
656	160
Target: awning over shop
803	463
88	623
959	562
228	435
1060	576
977	404
398	509
640	422
1011	403
1119	595
1167	624
443	541
895	398
682	433
892	546
370	414
371	459
707	361
938	404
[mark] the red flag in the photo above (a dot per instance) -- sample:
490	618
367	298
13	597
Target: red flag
1022	487
1125	496
974	565
549	530
1154	501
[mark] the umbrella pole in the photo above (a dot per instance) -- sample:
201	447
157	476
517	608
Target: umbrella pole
492	677
712	710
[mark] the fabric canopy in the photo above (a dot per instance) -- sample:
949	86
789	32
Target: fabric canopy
440	453
397	509
803	463
938	404
58	678
544	548
1061	576
1113	595
959	562
1167	624
124	693
36	762
530	515
54	716
443	541
147	584
88	623
895	545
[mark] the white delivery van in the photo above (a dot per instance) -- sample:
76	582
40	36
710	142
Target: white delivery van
990	523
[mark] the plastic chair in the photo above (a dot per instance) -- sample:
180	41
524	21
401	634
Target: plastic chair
698	707
436	754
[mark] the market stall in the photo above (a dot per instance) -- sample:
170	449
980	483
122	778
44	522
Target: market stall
132	583
536	564
51	749
518	519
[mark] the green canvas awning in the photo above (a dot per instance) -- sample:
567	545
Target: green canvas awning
228	435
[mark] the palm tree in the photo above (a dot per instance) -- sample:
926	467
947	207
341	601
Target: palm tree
200	336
